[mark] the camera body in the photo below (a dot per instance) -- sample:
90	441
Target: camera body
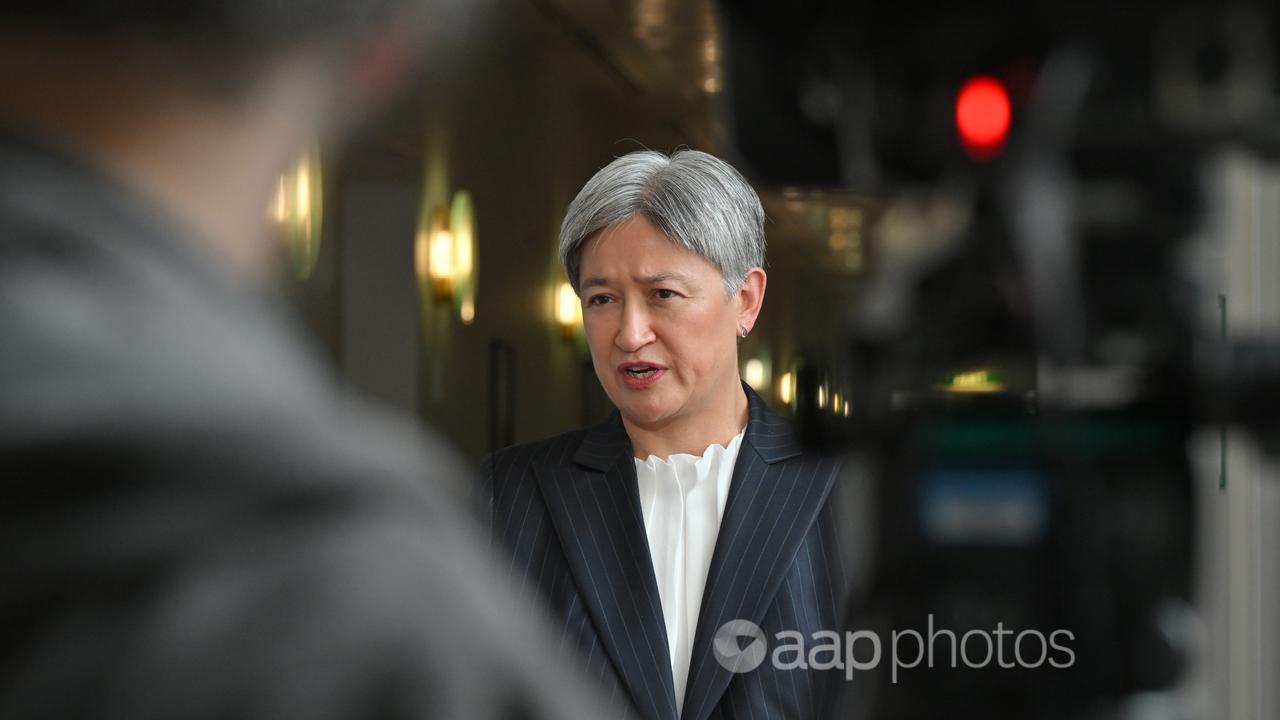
1023	379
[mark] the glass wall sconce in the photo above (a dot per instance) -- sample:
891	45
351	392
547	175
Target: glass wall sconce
462	229
296	211
433	254
445	253
439	251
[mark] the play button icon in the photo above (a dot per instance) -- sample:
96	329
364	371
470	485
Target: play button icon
740	646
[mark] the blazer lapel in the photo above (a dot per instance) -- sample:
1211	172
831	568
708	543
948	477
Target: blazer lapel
774	498
595	509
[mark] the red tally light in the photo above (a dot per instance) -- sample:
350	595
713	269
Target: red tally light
982	116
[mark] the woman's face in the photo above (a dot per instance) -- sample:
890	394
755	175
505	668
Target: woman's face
662	334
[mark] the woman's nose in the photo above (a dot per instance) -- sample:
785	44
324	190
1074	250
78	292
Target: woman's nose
636	330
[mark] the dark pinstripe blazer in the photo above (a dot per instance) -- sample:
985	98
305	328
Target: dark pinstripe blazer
567	510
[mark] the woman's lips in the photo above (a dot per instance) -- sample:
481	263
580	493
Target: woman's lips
650	374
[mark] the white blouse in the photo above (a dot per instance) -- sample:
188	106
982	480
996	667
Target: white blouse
683	499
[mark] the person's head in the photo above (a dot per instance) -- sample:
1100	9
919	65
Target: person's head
666	254
212	47
201	104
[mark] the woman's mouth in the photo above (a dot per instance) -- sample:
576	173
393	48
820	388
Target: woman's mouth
639	375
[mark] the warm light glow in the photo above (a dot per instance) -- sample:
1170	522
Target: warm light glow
568	311
844	218
753	373
441	255
434	240
977	381
304	190
462	223
567	305
280	212
786	388
835	403
568	308
822	397
445	258
439	248
422	255
710	85
295	209
462	256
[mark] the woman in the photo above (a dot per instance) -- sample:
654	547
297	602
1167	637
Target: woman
691	507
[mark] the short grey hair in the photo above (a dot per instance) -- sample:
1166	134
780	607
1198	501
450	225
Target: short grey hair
698	201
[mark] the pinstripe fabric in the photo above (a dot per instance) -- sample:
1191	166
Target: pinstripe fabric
567	512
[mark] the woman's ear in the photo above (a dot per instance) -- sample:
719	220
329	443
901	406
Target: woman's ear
750	298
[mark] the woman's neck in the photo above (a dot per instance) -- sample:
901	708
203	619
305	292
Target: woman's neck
691	435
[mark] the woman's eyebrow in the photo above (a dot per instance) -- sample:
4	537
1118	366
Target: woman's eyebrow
654	279
664	277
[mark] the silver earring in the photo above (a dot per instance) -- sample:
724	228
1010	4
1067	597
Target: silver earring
742	332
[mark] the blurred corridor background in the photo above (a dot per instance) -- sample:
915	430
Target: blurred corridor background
422	255
520	103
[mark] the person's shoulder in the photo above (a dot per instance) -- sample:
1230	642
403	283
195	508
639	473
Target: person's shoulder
516	459
117	356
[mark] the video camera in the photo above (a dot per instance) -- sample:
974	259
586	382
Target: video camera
1025	366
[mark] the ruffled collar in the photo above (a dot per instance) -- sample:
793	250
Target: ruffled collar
713	453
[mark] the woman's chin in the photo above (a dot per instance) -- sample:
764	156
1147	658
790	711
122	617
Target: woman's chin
644	411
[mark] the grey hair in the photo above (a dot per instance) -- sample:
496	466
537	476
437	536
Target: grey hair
697	200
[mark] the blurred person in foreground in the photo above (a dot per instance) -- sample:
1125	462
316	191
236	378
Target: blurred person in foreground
668	537
195	523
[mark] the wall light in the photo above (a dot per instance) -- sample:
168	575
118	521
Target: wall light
422	254
296	211
445	255
440	255
787	388
568	311
976	381
462	226
753	373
